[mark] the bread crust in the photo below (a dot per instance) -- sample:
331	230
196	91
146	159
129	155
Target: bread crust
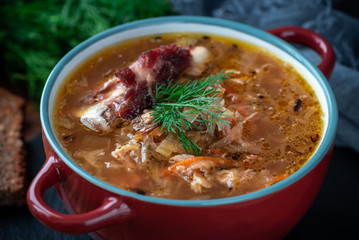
13	182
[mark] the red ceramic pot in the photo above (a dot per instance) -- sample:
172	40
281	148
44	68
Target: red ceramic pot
114	213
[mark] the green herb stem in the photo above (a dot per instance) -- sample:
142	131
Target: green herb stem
177	106
34	35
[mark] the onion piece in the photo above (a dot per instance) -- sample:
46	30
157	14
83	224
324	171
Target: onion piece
169	145
91	157
181	157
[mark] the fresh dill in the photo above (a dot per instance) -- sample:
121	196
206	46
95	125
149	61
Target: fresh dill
177	107
35	34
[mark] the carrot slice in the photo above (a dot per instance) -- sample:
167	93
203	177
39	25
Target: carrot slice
279	178
215	151
220	162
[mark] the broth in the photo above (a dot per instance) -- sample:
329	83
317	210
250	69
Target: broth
275	125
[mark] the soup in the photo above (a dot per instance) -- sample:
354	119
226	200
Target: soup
261	122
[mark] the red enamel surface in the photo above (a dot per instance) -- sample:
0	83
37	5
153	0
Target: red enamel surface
109	210
269	217
118	217
311	39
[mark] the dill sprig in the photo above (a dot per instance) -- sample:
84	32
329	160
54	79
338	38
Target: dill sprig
178	106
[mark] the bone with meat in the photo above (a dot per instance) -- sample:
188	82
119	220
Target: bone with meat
132	89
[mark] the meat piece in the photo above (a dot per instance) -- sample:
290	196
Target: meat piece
200	183
202	175
132	89
147	117
99	117
128	154
229	177
198	175
233	177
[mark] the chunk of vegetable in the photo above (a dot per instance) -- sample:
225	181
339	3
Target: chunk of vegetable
219	162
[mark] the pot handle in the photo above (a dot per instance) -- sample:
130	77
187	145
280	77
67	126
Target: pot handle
310	39
112	210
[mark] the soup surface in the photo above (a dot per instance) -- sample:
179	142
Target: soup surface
274	121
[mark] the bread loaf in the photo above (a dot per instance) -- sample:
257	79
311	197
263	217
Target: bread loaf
12	157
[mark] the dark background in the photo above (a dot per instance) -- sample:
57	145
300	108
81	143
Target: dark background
333	215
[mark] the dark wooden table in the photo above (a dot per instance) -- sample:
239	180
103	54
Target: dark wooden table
333	215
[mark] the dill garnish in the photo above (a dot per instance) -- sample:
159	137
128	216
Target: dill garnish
177	107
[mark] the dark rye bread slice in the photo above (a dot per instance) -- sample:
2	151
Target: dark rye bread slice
12	157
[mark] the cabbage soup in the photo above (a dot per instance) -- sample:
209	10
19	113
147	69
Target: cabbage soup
187	116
